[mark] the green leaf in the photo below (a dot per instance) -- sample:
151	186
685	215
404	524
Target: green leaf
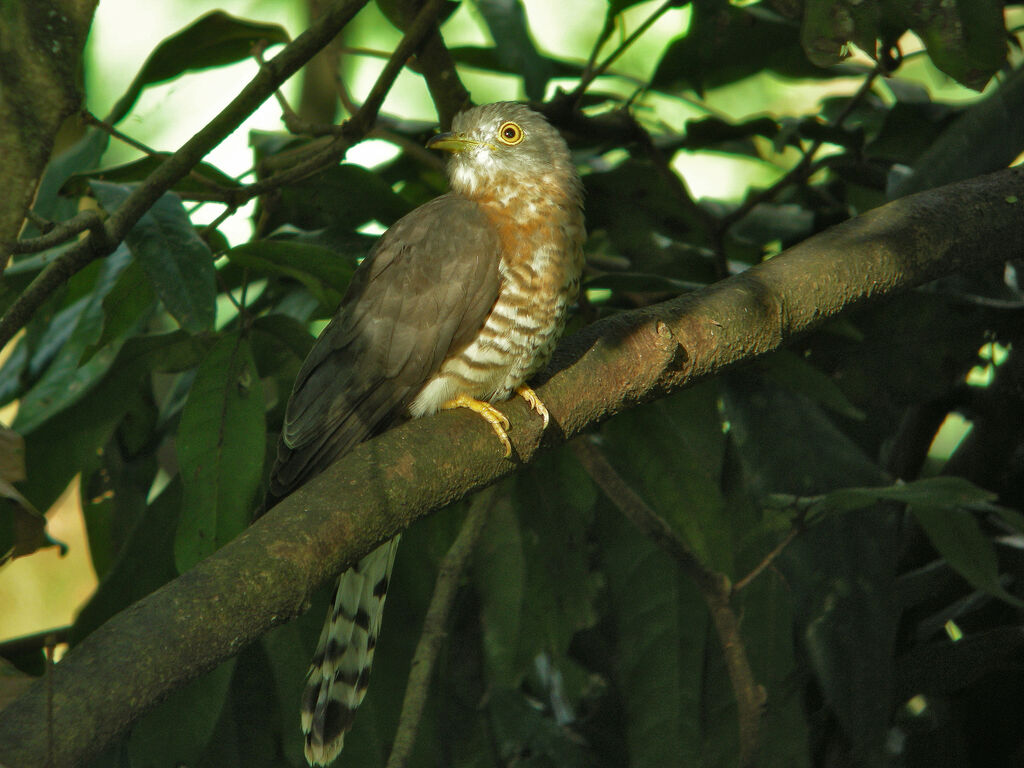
532	568
138	170
144	564
671	453
661	625
956	535
325	274
179	729
220	444
760	414
342	197
489	59
985	138
965	39
125	308
798	375
944	492
213	40
178	263
499	573
60	448
841	576
65	380
724	45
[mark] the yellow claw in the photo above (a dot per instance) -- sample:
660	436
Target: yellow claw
530	397
491	415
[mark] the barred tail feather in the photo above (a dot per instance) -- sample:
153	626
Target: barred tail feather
340	671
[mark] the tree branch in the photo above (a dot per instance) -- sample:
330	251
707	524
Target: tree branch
264	576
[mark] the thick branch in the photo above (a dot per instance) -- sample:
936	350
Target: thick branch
265	576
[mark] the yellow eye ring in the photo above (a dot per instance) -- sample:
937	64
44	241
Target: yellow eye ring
510	133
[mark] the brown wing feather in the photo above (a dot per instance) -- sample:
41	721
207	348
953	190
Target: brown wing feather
425	289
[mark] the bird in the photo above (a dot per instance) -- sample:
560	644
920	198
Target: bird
457	305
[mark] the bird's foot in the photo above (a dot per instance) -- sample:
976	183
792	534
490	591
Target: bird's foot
530	397
491	415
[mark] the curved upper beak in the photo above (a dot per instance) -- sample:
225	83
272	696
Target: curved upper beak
451	142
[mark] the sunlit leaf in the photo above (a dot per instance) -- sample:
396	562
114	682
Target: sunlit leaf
212	40
176	260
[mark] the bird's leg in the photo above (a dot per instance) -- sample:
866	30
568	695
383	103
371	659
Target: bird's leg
492	415
530	397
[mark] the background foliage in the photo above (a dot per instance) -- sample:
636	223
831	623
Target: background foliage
885	631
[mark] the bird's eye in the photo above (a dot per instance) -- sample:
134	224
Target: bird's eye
510	133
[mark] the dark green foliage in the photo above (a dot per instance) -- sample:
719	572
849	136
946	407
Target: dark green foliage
158	375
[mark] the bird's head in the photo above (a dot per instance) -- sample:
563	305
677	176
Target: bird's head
497	148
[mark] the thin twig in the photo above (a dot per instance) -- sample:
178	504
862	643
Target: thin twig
769	558
89	219
434	626
713	585
90	119
590	74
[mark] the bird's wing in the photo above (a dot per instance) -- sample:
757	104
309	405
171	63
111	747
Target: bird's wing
425	289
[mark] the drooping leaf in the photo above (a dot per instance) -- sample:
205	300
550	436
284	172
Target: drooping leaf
202	178
726	44
129	303
532	568
178	731
325	274
956	535
67	379
965	40
212	40
220	446
798	375
985	138
661	628
60	448
175	259
671	453
841	572
342	197
145	563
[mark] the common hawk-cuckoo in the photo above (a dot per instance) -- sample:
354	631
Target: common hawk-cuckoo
457	305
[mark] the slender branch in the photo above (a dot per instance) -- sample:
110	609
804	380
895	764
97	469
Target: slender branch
90	119
714	586
192	623
89	220
435	625
591	74
650	523
770	558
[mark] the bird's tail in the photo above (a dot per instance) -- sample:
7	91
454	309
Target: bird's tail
340	671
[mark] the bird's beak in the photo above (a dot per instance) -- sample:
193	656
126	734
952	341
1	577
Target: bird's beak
451	142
